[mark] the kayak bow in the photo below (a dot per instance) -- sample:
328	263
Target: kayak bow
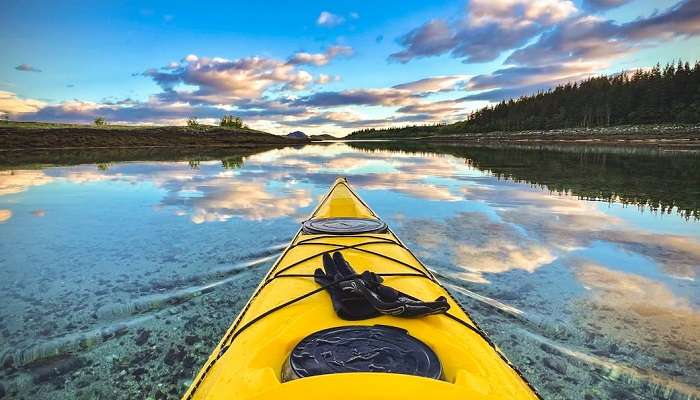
290	313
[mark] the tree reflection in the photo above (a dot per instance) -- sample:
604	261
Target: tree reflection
232	162
32	159
194	164
650	178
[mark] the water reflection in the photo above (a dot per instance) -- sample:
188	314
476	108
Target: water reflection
5	215
219	199
634	311
12	181
154	257
659	179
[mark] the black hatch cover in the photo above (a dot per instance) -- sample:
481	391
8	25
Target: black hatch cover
375	348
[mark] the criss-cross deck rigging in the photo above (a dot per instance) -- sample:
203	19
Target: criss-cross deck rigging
289	305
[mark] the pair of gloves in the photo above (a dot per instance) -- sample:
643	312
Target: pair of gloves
363	296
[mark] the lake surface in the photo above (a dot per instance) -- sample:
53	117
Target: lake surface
117	278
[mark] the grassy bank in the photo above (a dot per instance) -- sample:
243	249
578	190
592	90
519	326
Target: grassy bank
39	135
650	134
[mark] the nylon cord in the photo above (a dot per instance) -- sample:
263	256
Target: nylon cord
234	332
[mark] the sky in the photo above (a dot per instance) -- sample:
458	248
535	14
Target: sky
319	67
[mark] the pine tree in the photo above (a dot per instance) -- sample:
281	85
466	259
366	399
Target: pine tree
659	95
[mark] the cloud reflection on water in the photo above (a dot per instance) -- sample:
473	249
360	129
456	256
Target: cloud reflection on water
478	245
628	308
5	215
12	182
511	241
221	200
529	227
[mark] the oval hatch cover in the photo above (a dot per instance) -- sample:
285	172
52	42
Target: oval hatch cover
344	226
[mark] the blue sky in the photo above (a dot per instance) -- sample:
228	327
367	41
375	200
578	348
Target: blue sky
321	68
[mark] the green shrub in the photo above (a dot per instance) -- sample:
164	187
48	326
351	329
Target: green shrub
193	123
230	121
99	121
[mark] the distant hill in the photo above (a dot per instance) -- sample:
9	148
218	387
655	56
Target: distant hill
298	135
325	136
42	135
669	94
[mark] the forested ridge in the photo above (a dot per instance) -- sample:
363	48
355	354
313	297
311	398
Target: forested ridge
668	94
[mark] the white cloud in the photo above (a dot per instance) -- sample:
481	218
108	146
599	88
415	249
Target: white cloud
324	79
319	59
221	81
329	19
519	13
434	84
11	104
486	29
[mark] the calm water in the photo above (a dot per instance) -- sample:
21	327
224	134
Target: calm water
118	277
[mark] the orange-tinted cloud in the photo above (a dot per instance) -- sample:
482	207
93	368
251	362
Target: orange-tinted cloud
17	181
5	215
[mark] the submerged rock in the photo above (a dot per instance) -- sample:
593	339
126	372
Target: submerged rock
48	369
555	364
174	356
188	363
114	332
138	372
142	337
8	362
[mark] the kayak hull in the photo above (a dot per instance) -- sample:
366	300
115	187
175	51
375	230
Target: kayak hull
289	305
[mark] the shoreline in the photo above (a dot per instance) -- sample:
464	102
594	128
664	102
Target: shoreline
45	137
690	143
623	135
38	136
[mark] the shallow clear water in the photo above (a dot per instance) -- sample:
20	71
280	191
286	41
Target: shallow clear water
118	278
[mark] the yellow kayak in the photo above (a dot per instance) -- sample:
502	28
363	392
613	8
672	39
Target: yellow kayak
288	332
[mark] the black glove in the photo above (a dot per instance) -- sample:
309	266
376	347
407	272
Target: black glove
348	302
388	300
360	297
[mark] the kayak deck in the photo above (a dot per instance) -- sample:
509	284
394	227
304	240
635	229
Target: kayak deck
289	305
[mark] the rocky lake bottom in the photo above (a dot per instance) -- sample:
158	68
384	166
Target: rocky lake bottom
119	278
